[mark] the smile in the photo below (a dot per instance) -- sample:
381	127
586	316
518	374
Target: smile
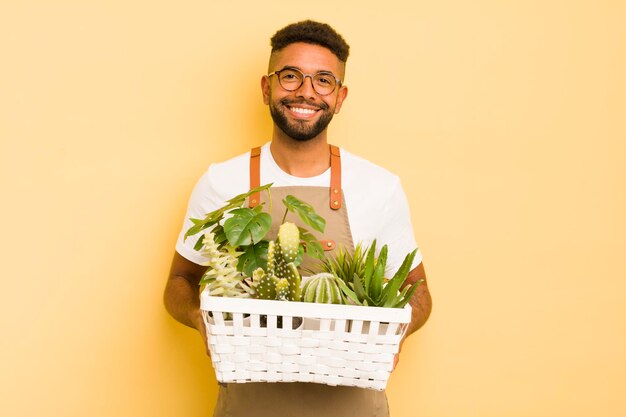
302	111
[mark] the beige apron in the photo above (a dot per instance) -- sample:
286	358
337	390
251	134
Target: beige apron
298	399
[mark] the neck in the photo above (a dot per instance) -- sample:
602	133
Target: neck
301	159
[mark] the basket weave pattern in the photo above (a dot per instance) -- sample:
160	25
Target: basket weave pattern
278	341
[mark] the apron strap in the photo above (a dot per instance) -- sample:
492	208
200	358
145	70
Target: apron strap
335	177
255	176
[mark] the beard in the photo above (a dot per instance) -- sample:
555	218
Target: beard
300	130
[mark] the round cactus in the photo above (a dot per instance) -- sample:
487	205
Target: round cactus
322	288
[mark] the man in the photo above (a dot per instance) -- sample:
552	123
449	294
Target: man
360	201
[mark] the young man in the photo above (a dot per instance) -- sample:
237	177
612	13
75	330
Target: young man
304	89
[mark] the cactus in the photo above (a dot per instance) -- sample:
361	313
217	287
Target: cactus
289	241
282	289
322	288
266	284
281	268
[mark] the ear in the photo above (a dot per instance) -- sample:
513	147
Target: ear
265	89
341	96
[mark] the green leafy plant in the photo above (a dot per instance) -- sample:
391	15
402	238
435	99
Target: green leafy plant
366	286
213	219
243	230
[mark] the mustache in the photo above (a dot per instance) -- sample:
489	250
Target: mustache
287	102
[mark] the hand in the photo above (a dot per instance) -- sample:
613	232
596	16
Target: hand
200	326
396	358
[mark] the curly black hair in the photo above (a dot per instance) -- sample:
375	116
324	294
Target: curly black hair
316	33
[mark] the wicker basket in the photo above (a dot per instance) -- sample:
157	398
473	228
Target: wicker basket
279	341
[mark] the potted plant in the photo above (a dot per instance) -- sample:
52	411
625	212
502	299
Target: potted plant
243	263
363	279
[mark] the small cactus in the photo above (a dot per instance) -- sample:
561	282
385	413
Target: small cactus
282	289
281	268
293	278
266	284
289	241
322	288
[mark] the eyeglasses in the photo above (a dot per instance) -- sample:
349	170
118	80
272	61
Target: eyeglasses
291	79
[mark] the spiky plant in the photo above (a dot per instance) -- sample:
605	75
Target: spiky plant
281	267
344	264
372	289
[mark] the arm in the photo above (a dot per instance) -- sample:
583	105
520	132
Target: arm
421	303
181	296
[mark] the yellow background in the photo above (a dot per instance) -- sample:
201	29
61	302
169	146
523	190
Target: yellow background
505	119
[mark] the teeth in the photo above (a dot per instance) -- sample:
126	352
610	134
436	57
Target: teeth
302	111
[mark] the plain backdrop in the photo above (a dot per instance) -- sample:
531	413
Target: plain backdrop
504	119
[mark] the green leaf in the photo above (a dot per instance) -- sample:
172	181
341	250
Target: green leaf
219	236
348	292
217	215
369	265
376	282
306	213
407	294
199	243
255	256
311	244
394	284
200	225
247	226
241	198
358	287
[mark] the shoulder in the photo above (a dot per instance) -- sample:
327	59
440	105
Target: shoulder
228	178
358	171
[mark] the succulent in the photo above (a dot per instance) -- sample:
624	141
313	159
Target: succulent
282	289
370	288
222	278
266	284
281	267
322	288
243	262
344	264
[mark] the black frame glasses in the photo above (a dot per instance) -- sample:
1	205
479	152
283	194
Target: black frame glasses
317	80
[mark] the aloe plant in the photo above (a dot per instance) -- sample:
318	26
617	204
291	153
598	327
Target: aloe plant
370	288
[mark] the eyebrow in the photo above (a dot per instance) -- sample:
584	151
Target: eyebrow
299	69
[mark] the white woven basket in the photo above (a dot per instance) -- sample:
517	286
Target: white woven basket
333	344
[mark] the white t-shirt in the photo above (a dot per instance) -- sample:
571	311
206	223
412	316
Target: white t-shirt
375	201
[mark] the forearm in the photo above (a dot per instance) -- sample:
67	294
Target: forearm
181	296
182	301
420	308
421	302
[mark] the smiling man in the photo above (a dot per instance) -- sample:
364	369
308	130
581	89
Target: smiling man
304	88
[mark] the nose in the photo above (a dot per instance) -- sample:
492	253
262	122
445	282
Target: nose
306	89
